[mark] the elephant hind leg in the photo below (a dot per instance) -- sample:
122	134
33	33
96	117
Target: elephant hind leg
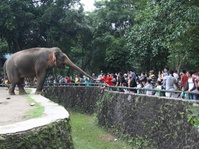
12	88
20	86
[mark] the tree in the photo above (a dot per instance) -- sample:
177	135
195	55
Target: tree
110	28
162	33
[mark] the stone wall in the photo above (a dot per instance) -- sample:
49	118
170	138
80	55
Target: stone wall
145	121
50	131
56	135
77	98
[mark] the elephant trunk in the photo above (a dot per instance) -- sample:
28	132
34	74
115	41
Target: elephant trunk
71	64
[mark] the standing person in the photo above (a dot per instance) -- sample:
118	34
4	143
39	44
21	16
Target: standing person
132	81
153	78
184	79
149	85
164	74
94	77
108	80
139	86
191	85
86	80
77	80
158	87
120	79
170	84
68	79
143	78
175	75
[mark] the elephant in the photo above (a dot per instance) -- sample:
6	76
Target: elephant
35	62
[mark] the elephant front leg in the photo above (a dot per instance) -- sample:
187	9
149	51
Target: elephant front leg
40	83
21	88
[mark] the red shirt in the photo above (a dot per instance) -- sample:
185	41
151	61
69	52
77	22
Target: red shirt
108	80
68	80
184	79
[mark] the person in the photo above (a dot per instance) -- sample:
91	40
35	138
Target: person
77	80
164	74
175	75
149	85
68	79
107	80
86	80
94	77
125	83
139	86
152	77
132	81
143	78
184	79
120	79
158	87
63	80
191	85
170	84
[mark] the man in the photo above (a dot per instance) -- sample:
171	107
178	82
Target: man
170	84
164	74
184	79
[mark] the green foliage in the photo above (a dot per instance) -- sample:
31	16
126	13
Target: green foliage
193	116
111	21
164	30
117	36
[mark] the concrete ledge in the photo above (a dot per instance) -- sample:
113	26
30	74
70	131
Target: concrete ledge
54	117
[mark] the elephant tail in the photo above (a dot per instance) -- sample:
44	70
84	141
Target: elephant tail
5	80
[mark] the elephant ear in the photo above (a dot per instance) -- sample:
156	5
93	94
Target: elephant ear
52	59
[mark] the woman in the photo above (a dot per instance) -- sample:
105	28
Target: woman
191	86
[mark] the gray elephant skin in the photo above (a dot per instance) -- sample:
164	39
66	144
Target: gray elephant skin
34	62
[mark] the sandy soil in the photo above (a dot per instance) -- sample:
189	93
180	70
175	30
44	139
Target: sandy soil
12	107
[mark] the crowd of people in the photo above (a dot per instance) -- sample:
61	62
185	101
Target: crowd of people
167	80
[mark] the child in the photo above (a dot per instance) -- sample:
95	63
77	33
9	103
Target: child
158	87
149	85
139	85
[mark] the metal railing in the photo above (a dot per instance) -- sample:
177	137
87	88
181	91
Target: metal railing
121	89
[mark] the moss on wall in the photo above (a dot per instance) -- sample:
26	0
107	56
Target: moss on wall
77	98
56	135
145	121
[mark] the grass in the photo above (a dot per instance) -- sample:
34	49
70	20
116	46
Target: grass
37	111
87	135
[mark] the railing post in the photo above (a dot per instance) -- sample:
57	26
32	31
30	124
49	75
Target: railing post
188	95
108	88
118	89
159	92
138	90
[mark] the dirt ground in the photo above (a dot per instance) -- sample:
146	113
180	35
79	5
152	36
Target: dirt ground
12	107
